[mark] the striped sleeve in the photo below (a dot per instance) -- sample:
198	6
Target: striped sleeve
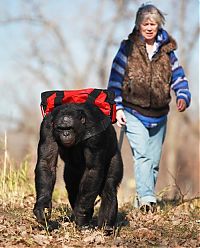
179	82
117	74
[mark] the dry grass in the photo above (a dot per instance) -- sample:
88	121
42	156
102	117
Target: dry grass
172	226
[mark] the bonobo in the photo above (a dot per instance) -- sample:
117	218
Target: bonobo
86	141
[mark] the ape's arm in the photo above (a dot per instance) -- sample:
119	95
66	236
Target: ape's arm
45	171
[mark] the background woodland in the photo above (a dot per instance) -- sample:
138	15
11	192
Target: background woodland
62	45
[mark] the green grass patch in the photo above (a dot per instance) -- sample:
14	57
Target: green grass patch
15	183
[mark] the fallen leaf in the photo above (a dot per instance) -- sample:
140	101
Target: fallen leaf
41	239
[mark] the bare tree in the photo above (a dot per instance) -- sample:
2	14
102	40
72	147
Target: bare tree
75	51
62	52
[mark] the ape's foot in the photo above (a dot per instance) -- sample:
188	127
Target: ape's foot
85	228
52	225
83	220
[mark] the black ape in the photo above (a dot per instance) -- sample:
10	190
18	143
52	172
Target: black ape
86	141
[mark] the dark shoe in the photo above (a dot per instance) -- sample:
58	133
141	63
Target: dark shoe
148	208
108	230
153	207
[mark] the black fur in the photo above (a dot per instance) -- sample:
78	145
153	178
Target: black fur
86	141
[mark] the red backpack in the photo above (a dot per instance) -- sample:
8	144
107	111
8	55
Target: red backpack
103	99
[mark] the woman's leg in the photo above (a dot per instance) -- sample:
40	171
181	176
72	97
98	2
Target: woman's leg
156	139
146	146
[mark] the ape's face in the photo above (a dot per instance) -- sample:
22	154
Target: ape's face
68	128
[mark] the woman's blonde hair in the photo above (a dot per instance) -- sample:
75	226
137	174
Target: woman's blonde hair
149	11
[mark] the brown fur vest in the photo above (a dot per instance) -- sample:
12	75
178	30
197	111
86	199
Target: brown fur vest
146	86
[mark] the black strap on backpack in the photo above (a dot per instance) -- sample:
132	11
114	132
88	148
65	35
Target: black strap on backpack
58	99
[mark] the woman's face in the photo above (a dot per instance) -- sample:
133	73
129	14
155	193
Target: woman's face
148	29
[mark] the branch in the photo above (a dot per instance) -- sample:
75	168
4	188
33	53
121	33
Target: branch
53	27
181	194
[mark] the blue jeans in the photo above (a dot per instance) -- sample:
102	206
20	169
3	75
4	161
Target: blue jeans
146	145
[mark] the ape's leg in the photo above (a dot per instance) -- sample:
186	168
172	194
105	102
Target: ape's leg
88	191
109	204
73	173
73	189
72	181
45	174
83	180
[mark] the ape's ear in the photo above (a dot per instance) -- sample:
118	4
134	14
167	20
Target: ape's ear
82	116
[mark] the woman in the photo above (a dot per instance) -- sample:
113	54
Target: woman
143	72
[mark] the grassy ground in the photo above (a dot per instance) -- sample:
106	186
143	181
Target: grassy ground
177	226
172	226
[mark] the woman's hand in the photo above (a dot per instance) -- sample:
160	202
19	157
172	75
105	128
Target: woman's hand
121	119
181	105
